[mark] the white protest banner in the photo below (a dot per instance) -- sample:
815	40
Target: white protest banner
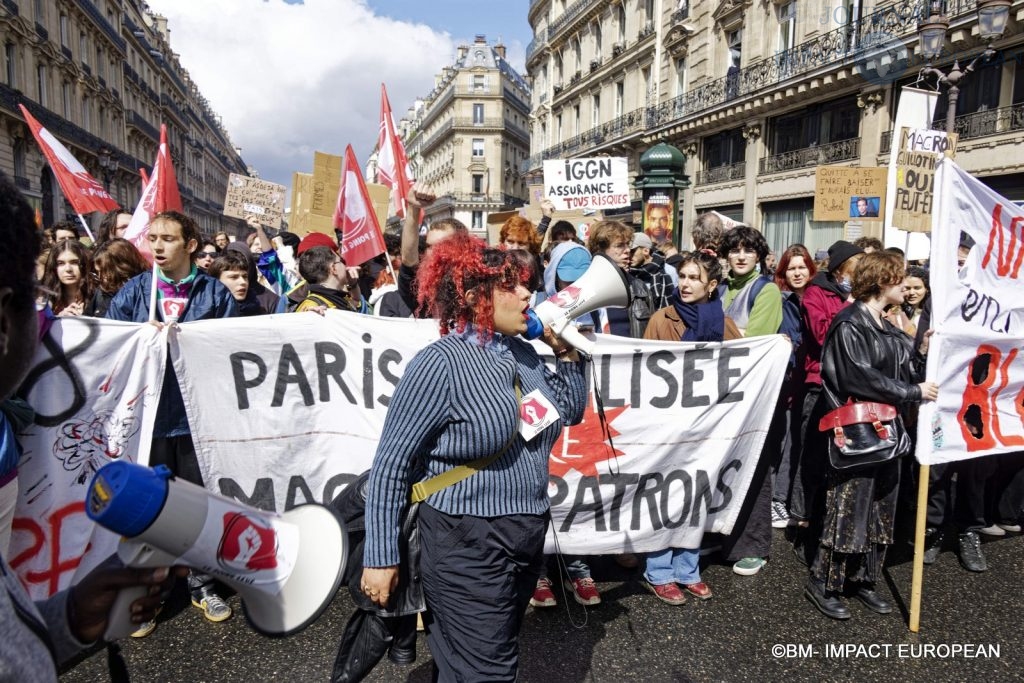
577	184
288	409
978	318
94	386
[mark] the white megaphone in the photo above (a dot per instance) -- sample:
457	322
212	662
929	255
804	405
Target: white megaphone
285	567
604	285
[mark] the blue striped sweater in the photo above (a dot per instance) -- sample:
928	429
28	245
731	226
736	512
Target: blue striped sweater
455	403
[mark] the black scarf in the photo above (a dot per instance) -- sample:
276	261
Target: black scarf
704	322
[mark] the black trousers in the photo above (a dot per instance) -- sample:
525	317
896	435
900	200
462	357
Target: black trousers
968	497
478	576
179	454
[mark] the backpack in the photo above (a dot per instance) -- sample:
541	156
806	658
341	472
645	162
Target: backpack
641	306
790	325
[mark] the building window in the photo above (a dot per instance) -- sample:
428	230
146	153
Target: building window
9	58
724	149
40	6
19	158
478	220
559	70
479	82
478	183
64	30
86	118
83	48
100	71
577	53
598	47
576	120
478	113
559	130
787	26
648	11
41	83
595	110
735	43
680	80
478	147
65	96
622	24
645	80
620	95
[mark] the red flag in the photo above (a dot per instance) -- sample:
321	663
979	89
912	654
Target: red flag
392	165
354	216
160	194
83	192
145	178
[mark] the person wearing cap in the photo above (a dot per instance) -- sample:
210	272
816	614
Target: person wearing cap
643	266
828	293
569	261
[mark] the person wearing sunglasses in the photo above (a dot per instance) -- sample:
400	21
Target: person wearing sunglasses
206	254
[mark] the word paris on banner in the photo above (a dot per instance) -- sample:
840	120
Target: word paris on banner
978	317
288	409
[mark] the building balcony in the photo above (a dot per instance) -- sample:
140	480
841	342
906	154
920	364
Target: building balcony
134	119
980	124
721	174
620	128
681	14
646	30
89	9
539	42
11	6
41	31
572	13
438	136
488	200
853	45
809	157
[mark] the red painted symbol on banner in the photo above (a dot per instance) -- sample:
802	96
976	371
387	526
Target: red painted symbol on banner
47	541
583	446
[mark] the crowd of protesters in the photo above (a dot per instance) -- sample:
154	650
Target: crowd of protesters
857	316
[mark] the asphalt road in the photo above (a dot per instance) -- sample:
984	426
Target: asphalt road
755	628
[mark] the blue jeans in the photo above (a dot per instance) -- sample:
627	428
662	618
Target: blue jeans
681	565
575	566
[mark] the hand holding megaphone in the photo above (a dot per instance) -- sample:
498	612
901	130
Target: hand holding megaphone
285	567
604	285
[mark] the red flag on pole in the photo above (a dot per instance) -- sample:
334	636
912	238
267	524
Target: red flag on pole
160	194
354	215
145	178
83	192
392	164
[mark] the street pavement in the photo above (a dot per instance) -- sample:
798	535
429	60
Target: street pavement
758	628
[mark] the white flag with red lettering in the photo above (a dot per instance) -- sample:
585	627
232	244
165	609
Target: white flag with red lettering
83	192
361	238
392	164
978	318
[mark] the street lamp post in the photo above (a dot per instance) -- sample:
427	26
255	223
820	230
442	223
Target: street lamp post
108	164
992	18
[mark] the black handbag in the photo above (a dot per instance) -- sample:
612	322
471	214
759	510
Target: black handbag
865	433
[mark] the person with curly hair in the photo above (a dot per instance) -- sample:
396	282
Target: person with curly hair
114	263
113	225
459	400
67	277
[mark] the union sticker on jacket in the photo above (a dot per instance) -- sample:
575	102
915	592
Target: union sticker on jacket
536	413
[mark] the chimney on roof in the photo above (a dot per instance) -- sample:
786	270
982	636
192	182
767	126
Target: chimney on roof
480	38
500	49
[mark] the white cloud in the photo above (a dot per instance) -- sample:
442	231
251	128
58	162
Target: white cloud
289	80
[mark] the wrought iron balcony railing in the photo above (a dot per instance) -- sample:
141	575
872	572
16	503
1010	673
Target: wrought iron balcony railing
721	174
818	155
980	124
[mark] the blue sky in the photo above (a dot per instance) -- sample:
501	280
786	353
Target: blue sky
289	78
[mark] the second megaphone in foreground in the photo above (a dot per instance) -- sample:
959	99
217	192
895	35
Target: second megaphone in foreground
286	567
604	285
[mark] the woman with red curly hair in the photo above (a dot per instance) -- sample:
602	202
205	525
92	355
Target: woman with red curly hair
460	400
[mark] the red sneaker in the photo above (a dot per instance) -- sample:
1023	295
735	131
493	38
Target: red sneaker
698	590
584	590
669	593
543	595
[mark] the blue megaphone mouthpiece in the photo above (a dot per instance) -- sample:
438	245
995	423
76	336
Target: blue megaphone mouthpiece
127	498
534	325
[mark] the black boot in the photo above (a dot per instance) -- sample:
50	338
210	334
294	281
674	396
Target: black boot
971	556
872	600
827	602
932	545
403	643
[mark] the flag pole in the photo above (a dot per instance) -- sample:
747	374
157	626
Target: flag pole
152	295
917	576
87	230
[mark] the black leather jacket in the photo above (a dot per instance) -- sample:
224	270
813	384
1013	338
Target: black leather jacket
868	363
408	597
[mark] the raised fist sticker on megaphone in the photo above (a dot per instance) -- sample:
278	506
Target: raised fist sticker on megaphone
604	285
286	567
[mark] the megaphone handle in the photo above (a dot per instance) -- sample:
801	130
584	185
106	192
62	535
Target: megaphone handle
571	334
133	554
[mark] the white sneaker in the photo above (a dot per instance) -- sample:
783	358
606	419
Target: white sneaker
780	517
993	530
